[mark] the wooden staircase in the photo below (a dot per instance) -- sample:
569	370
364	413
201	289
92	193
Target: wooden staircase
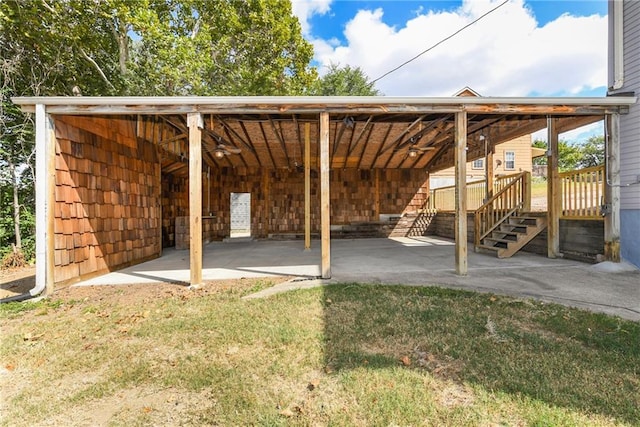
501	225
512	235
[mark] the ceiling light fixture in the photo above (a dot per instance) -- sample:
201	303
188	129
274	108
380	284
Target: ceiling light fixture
349	122
218	153
413	152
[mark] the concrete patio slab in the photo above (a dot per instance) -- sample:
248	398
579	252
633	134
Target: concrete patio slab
415	261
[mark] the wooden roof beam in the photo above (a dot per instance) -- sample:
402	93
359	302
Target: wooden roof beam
364	145
565	124
351	138
232	131
280	139
413	139
250	142
301	143
266	143
244	162
398	139
384	140
340	128
364	128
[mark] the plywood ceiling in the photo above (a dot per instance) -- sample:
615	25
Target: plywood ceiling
367	141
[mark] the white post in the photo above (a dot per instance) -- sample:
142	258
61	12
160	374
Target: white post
45	198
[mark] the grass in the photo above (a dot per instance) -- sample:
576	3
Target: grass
538	187
346	354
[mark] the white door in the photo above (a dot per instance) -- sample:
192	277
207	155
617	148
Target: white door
240	214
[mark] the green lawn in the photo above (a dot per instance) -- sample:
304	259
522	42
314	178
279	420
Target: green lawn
346	354
538	188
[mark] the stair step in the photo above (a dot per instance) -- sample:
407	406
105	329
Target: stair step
512	228
514	233
524	220
498	240
525	217
490	248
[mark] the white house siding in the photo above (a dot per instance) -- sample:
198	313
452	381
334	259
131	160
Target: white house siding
630	136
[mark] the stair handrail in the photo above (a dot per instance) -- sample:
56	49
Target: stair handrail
487	217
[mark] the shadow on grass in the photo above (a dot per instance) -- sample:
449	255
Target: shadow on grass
17	286
561	356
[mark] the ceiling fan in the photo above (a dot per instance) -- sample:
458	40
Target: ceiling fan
414	150
222	150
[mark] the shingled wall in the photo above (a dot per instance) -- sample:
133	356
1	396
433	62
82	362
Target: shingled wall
277	199
107	210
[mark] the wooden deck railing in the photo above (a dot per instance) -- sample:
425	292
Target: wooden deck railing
511	198
582	193
443	198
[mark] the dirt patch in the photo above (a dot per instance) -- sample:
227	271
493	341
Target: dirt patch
16	281
140	405
136	294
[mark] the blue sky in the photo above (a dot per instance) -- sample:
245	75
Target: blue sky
524	48
397	13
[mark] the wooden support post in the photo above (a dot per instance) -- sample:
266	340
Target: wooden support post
325	207
267	200
45	200
195	124
489	165
612	190
159	194
376	195
461	193
526	207
307	186
554	201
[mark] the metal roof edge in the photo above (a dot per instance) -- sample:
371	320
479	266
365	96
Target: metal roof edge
318	101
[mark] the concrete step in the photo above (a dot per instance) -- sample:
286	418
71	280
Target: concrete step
238	239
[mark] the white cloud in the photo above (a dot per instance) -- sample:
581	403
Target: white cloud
305	9
504	54
579	135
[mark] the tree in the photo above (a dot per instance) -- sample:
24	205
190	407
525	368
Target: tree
573	156
142	47
344	81
593	152
157	47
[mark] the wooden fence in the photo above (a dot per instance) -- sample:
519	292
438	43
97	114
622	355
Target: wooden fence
583	193
443	198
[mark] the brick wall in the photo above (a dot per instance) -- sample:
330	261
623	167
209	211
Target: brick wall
107	210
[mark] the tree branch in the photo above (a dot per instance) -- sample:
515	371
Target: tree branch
97	67
196	28
52	10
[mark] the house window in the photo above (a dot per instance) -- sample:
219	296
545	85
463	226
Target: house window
509	160
477	164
